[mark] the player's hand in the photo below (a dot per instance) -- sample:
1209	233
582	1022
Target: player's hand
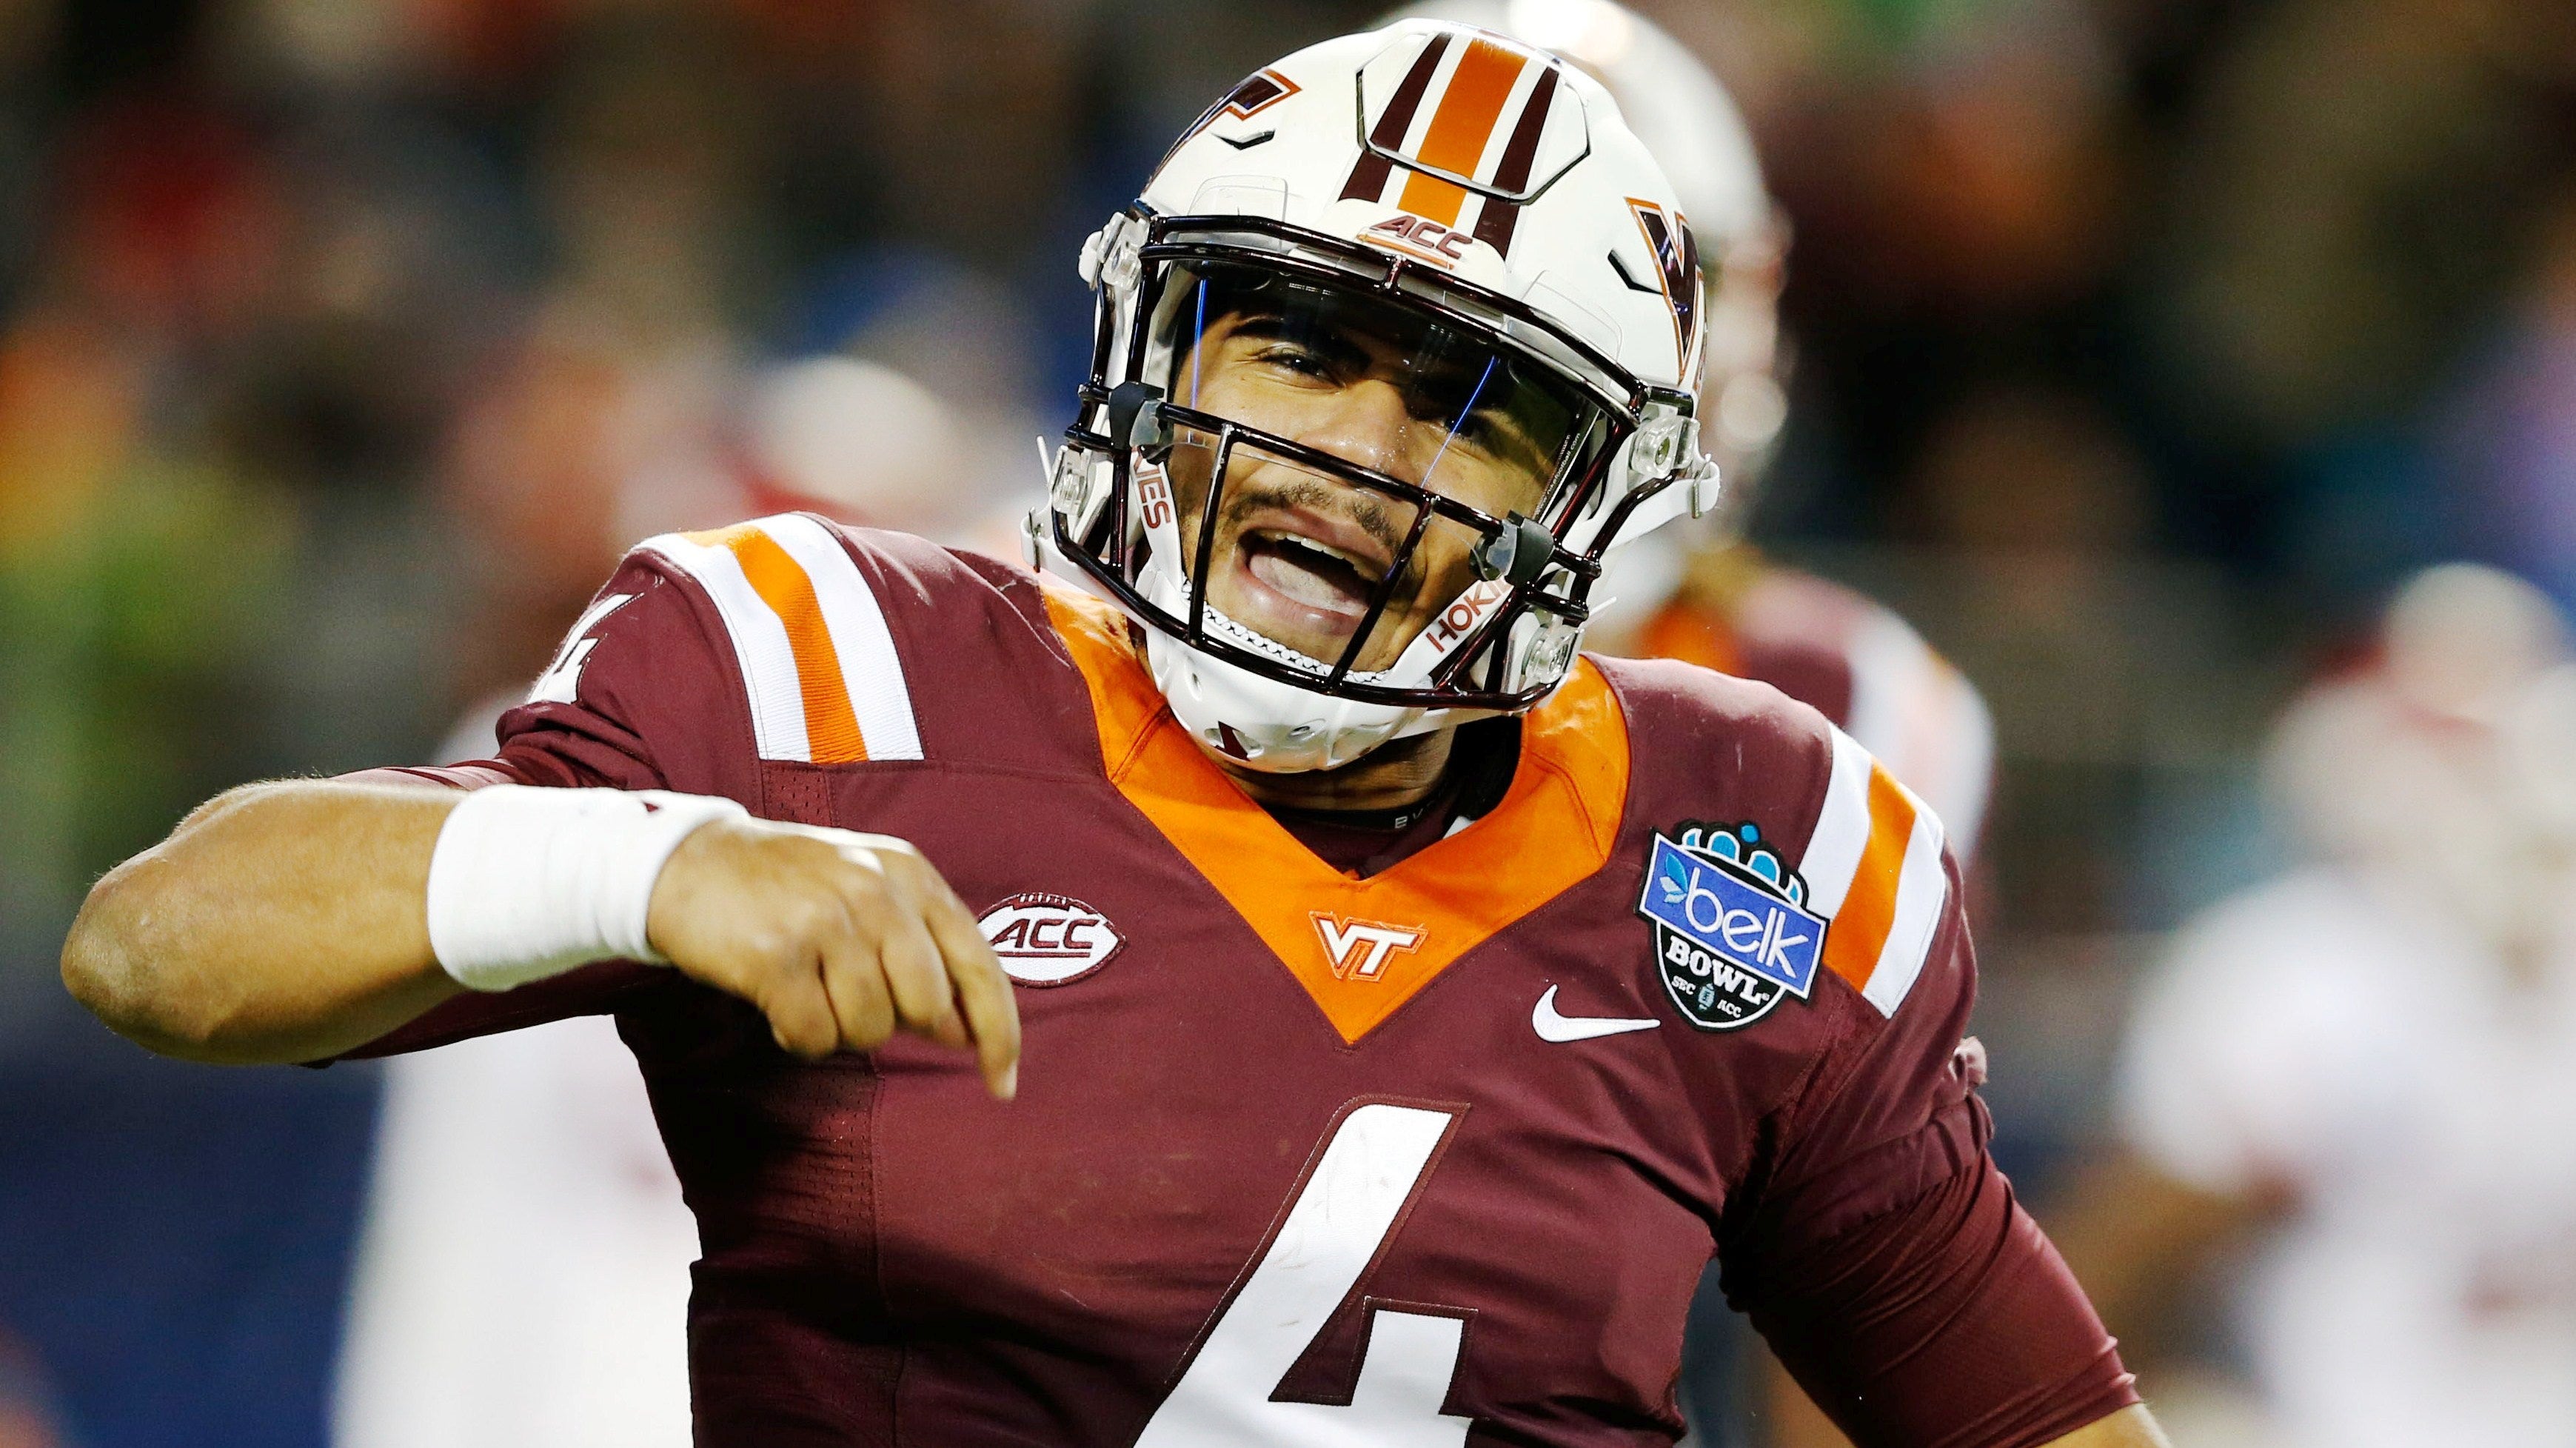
841	939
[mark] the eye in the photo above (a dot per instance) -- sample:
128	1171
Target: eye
1490	432
1289	356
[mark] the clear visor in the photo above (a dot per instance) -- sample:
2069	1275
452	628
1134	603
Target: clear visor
1379	449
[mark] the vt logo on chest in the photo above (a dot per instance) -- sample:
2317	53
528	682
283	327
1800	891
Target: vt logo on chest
1360	949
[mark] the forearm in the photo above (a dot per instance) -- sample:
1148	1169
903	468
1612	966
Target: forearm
280	922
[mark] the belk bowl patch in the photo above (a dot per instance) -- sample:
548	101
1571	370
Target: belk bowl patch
1732	931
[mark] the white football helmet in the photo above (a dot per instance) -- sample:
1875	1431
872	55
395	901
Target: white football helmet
1469	216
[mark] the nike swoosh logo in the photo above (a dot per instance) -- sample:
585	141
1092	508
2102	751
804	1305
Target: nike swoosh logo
1554	1027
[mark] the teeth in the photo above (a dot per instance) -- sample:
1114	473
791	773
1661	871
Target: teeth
1364	567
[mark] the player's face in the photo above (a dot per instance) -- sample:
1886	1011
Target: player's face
1298	555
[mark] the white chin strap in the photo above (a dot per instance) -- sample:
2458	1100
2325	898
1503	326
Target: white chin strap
1267	725
1277	727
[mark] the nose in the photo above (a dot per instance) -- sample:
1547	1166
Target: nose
1366	424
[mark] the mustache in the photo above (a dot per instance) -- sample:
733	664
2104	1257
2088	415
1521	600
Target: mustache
1242	500
1411	570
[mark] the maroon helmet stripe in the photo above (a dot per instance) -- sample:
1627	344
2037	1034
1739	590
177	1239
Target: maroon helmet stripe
1368	178
1495	221
1255	91
1408	96
1513	172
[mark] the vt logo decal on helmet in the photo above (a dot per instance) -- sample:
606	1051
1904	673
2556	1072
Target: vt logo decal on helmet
1676	254
1732	932
1360	949
1251	96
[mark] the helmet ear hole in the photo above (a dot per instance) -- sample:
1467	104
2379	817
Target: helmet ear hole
1126	401
1517	554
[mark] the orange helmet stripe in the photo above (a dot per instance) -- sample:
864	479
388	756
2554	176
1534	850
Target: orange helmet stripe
1460	128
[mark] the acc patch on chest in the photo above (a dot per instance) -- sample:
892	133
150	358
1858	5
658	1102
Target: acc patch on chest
1732	931
1049	939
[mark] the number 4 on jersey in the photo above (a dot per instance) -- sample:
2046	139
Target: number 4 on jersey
561	682
1370	1169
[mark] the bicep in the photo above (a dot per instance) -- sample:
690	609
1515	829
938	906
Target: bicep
1945	1320
279	922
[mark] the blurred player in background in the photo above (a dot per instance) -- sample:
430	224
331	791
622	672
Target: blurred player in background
2354	1080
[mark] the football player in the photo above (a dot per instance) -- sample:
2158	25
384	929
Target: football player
1413	1004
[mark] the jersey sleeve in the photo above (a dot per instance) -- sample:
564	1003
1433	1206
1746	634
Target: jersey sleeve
641	695
1874	1244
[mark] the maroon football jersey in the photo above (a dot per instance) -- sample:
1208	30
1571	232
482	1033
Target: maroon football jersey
1434	1156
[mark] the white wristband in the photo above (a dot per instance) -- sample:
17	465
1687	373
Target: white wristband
527	882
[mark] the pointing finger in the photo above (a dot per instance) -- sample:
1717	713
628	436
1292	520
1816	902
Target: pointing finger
983	991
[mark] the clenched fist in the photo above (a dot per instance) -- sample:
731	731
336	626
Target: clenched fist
841	939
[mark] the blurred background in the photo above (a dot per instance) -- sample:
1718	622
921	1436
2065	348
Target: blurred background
2137	352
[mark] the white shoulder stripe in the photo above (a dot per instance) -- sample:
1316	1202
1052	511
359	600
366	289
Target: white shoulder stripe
759	643
1842	829
819	665
1922	888
871	672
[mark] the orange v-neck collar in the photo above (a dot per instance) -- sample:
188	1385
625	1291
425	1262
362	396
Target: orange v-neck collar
1361	947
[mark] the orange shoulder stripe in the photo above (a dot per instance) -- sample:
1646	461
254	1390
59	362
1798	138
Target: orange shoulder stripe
816	653
831	725
1860	928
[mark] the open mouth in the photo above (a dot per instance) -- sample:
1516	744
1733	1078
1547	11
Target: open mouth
1331	580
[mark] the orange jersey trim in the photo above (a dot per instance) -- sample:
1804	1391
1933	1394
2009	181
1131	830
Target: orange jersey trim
831	725
1555	827
1461	127
1859	933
